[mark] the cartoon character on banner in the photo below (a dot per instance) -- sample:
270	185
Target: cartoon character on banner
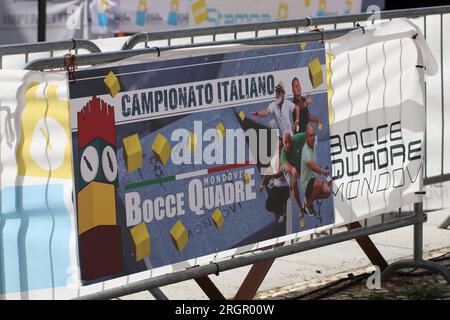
348	7
322	8
96	198
282	13
44	147
141	12
103	13
200	11
172	19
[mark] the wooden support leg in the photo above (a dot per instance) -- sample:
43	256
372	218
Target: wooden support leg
208	287
369	248
253	280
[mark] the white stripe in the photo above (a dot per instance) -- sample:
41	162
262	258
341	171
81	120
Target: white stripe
191	174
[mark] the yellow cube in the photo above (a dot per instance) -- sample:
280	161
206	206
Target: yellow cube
180	236
161	148
96	206
246	178
303	45
112	83
282	10
220	130
192	142
218	219
241	116
315	73
141	241
132	152
200	11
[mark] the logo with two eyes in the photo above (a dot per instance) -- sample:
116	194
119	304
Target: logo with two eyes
98	162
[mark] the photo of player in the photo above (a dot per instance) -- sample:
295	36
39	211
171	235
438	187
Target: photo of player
302	115
314	187
281	109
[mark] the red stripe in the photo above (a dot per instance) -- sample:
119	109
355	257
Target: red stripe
229	167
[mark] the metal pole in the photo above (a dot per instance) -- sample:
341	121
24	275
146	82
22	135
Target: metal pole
418	232
42	17
212	268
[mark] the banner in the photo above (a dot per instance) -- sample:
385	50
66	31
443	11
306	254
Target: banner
37	225
377	112
182	158
131	16
19	20
226	12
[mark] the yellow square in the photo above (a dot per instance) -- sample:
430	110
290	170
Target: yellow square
112	83
282	10
315	73
303	45
161	148
192	142
141	241
307	3
218	219
132	152
96	206
220	130
242	115
200	11
246	178
179	235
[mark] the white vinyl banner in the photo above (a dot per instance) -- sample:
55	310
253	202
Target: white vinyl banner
377	127
378	119
37	226
19	20
226	12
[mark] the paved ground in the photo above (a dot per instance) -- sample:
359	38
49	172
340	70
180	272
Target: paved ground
408	284
320	264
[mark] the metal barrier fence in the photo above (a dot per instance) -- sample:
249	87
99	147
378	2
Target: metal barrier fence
356	231
46	47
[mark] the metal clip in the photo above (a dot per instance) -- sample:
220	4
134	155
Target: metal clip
360	26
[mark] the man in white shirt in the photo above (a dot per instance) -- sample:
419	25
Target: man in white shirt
281	109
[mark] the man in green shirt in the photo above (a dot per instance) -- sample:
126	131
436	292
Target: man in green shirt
291	162
313	186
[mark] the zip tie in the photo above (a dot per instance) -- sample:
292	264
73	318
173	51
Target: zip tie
360	26
415	36
321	33
308	21
217	268
420	192
70	64
74	44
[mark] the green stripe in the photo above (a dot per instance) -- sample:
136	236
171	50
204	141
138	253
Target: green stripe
149	182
